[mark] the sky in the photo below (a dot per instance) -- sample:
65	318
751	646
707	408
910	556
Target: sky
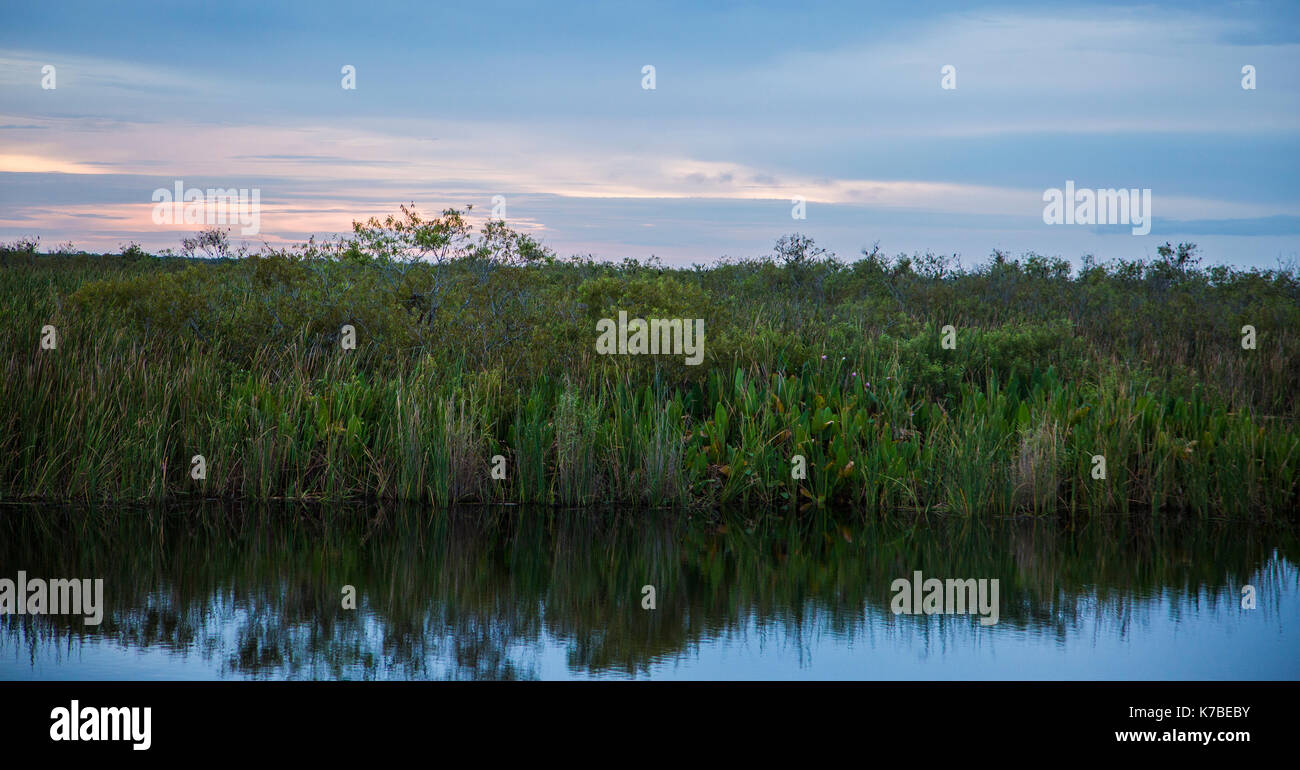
754	106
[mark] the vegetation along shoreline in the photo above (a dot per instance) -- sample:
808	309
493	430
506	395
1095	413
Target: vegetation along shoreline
433	360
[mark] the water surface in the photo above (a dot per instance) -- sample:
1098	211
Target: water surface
213	592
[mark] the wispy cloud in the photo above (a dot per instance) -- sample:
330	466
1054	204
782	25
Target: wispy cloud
742	121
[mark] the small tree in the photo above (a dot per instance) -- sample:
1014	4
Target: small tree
1180	260
796	250
133	252
426	261
212	243
22	247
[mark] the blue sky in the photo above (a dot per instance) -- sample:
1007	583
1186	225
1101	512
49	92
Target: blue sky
754	104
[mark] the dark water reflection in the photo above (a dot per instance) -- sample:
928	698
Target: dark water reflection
217	592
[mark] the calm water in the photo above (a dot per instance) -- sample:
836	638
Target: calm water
221	593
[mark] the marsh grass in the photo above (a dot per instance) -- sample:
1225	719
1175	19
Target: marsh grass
1036	469
885	418
97	424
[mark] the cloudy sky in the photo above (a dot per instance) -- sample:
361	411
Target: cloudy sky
754	104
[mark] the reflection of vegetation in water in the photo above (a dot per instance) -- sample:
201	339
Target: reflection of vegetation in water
471	595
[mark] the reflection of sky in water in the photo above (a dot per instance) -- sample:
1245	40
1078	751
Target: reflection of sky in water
1165	636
